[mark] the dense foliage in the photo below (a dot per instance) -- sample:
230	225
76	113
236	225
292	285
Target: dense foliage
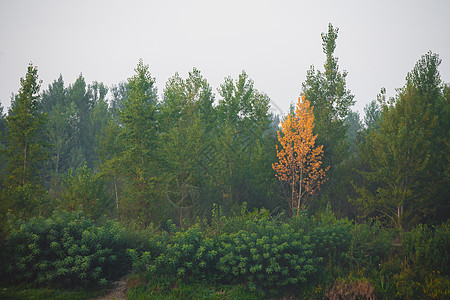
66	249
254	250
250	254
92	176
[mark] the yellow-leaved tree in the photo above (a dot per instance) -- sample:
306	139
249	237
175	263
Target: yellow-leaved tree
299	160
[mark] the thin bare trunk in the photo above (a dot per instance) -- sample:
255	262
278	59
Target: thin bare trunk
57	162
300	191
293	188
116	194
231	191
24	162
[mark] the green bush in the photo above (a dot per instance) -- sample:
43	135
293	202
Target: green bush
423	264
265	254
429	248
66	249
251	249
179	254
371	244
84	190
331	239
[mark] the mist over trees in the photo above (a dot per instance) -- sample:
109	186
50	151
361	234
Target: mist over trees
150	159
143	158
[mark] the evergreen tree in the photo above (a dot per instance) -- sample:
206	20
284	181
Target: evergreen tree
58	131
372	115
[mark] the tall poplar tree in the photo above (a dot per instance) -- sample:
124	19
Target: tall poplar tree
328	93
185	116
24	146
139	135
2	142
243	118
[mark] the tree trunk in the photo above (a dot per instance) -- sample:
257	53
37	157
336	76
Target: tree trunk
300	191
24	162
116	194
399	217
293	188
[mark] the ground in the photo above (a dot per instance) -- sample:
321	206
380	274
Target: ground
117	292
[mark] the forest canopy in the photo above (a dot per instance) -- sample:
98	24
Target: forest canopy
123	152
194	173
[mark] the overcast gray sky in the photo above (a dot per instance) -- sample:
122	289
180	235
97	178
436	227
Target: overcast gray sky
274	41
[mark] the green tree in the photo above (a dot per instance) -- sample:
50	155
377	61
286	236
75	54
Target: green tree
2	142
407	167
110	152
243	121
426	79
58	131
372	114
25	151
139	135
59	137
354	127
82	189
98	119
78	94
56	94
327	91
186	113
118	96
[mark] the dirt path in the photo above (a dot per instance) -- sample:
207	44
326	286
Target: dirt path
118	292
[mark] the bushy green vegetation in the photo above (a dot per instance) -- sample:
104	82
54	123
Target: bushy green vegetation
306	257
260	253
66	249
248	255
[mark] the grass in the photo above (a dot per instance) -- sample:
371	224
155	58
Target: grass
171	288
24	292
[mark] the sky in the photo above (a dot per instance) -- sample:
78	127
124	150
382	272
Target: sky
275	42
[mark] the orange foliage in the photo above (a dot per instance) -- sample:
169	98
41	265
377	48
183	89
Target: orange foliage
299	162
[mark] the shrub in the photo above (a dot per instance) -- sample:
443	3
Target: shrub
265	254
66	249
371	244
84	190
250	249
429	248
332	239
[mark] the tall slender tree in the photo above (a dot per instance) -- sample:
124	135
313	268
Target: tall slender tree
186	113
243	118
2	142
25	148
331	99
139	135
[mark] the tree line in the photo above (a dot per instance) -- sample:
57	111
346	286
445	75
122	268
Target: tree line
124	152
